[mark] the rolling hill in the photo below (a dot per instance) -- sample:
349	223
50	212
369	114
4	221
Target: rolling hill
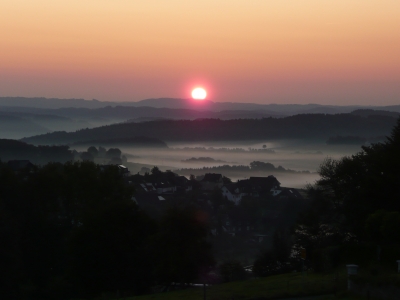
306	126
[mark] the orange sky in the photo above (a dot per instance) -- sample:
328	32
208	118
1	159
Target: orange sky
265	51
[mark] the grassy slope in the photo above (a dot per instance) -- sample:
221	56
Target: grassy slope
280	286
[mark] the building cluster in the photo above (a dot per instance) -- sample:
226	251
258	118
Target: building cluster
157	191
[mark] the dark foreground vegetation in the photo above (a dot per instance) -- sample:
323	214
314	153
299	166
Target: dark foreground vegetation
72	230
255	166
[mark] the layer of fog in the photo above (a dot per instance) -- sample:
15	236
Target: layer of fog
295	155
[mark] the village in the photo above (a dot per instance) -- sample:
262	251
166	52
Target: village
250	209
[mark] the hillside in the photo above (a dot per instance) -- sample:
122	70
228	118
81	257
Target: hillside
140	141
311	127
17	150
14	126
178	103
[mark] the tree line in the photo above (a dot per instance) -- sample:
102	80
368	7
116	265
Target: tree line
306	126
72	230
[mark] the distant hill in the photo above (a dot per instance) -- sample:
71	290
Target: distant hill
307	126
202	160
52	103
346	140
16	127
18	124
373	112
17	150
178	103
123	113
139	141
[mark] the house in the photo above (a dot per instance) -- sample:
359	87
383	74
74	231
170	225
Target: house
265	183
121	168
147	199
145	187
182	183
164	187
19	166
288	193
233	193
259	186
260	237
211	181
124	171
154	205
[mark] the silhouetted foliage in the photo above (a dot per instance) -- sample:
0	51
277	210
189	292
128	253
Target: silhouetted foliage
72	230
16	150
113	153
346	140
356	199
182	252
87	156
93	151
232	271
108	252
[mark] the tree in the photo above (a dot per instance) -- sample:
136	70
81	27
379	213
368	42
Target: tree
93	151
109	250
41	213
350	193
226	180
102	151
87	156
383	226
232	271
261	166
113	153
277	259
181	250
155	170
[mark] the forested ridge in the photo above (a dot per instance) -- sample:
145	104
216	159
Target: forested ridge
307	126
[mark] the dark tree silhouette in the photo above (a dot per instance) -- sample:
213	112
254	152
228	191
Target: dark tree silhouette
182	252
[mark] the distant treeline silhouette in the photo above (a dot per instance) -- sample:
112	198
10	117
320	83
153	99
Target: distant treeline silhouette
12	149
307	126
202	160
254	166
353	140
224	149
137	141
346	140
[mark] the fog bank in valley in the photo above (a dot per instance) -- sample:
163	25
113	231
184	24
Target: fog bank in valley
299	159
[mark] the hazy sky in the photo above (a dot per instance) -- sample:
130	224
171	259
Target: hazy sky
265	51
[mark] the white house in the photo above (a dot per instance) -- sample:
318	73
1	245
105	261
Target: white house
232	193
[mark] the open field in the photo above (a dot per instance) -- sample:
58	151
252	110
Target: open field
281	286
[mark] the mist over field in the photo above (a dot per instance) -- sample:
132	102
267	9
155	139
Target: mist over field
303	158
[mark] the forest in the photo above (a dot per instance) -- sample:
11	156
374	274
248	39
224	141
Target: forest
306	127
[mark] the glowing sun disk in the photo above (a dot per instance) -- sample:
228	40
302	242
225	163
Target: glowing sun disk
199	93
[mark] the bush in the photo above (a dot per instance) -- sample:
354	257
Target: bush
232	271
326	259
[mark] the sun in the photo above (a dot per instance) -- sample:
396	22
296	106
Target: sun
199	93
